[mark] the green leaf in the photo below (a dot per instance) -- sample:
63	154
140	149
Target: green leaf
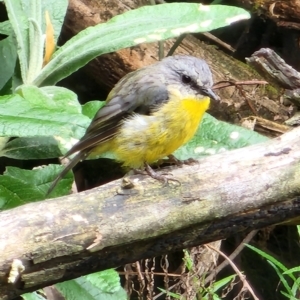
280	270
36	41
64	185
90	108
218	285
3	143
33	296
8	58
273	260
296	286
175	296
282	279
145	24
27	18
289	296
39	114
5	28
108	281
7	89
17	12
37	26
51	97
188	260
214	136
57	11
37	147
19	186
99	286
292	270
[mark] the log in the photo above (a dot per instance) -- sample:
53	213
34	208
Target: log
285	13
60	239
273	67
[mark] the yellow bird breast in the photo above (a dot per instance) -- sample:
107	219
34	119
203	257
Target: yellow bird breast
149	138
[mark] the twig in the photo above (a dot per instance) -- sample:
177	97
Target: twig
218	41
232	256
238	272
176	44
226	83
155	273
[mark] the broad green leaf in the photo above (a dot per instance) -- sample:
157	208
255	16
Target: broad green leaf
18	186
57	10
64	185
99	286
90	108
108	281
18	16
3	143
25	117
214	136
36	41
217	2
37	28
27	18
8	58
51	97
5	28
16	80
38	147
145	24
33	296
7	89
36	9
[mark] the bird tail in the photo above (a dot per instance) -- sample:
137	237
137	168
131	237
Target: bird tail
76	159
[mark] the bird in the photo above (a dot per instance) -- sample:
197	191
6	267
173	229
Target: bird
149	114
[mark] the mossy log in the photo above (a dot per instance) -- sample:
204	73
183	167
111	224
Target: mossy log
237	191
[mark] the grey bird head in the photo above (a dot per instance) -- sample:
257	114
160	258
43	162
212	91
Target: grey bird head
190	74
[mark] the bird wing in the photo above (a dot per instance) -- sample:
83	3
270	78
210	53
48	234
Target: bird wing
129	96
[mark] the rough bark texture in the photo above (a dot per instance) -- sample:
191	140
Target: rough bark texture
285	12
64	238
269	64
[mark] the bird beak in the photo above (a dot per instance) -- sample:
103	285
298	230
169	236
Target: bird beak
210	94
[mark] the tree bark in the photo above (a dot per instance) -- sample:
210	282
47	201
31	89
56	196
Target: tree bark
284	13
67	237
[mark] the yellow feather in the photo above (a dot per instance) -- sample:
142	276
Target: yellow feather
149	138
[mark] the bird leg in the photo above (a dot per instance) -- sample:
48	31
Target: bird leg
164	179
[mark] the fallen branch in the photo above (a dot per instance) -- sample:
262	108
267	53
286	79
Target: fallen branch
63	238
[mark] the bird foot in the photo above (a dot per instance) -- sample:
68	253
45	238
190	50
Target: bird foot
160	177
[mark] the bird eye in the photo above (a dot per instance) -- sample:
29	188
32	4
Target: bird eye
186	79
